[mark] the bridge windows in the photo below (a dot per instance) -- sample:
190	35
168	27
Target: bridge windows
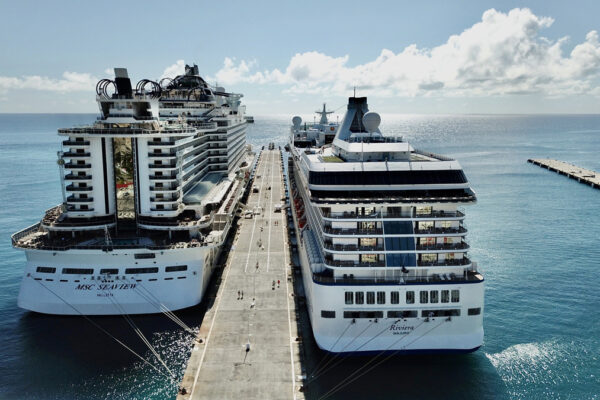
349	298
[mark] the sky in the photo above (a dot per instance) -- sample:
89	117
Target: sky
288	57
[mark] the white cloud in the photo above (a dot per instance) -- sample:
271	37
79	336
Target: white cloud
173	70
504	53
70	82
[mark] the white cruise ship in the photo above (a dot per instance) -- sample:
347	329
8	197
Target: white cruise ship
382	242
150	190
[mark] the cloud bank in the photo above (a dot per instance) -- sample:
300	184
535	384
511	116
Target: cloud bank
70	82
502	54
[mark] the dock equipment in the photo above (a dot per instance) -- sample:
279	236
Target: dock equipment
583	175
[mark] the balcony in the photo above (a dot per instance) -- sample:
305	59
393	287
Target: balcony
443	246
71	188
467	277
161	155
156	143
72	199
166	209
164	199
351	247
440	231
73	209
352	231
162	166
77	166
392	215
76	142
71	177
171	188
445	263
352	264
163	177
74	154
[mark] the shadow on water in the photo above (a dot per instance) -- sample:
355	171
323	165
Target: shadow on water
465	376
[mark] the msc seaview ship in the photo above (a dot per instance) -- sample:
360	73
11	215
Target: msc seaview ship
381	240
150	189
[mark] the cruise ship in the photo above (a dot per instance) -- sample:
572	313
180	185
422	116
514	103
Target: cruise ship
150	189
382	242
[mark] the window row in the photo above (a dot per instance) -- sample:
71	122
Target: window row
111	271
452	312
425	297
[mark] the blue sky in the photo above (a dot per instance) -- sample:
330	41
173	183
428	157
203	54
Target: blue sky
288	57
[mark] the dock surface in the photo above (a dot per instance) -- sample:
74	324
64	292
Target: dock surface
583	175
247	347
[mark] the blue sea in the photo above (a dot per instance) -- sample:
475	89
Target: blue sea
534	233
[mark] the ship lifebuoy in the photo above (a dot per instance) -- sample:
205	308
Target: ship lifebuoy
332	129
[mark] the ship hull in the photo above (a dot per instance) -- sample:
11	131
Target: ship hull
420	334
61	293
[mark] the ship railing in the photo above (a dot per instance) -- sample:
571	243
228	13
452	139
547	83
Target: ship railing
437	231
16	237
350	279
433	155
121	131
415	215
443	246
351	247
40	245
352	231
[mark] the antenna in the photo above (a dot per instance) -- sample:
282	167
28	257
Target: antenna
354	91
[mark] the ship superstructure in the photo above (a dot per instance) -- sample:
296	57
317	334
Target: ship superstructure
314	134
382	242
150	189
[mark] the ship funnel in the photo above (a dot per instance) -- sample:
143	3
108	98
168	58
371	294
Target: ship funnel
123	83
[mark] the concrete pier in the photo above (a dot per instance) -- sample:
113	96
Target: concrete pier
587	176
247	347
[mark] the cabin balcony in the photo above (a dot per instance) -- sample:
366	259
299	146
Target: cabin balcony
163	177
69	142
441	231
164	200
329	262
162	166
75	154
77	166
351	247
72	199
351	232
79	210
351	215
71	177
161	155
445	263
163	144
169	188
442	247
71	188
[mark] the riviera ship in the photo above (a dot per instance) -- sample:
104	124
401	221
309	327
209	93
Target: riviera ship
382	241
150	190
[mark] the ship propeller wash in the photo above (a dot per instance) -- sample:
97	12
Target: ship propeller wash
150	190
382	241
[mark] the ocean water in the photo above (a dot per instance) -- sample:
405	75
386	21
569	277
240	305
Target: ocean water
534	233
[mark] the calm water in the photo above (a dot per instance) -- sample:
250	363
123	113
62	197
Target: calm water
535	234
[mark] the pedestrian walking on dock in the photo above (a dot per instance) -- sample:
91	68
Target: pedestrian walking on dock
238	295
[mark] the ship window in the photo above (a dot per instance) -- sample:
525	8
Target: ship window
445	296
441	313
395	297
368	258
455	296
370	297
176	268
143	255
424	296
367	242
434	296
424	210
474	311
446	224
426	225
109	271
359	298
148	270
46	270
380	297
327	314
402	314
363	314
410	297
349	297
78	271
428	258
